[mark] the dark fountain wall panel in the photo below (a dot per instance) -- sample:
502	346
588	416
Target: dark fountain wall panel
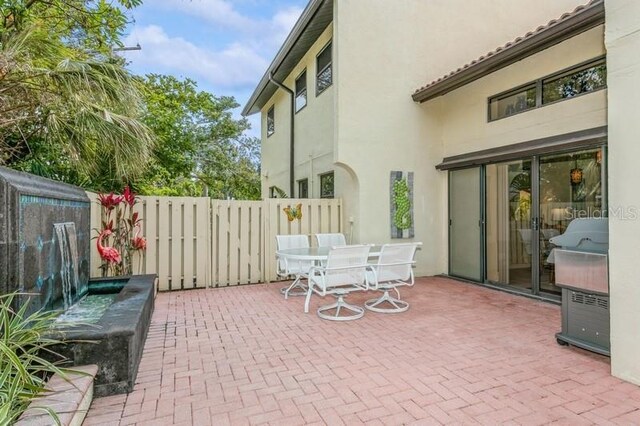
31	259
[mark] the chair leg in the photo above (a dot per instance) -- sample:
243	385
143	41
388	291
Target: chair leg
308	300
340	304
397	305
297	288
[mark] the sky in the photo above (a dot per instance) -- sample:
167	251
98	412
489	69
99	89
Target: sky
224	45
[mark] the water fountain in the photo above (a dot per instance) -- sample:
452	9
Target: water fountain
68	245
45	243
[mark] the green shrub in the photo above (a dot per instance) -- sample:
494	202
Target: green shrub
25	353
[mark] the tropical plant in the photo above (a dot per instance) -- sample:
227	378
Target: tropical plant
26	353
69	109
89	26
119	239
520	195
88	108
278	192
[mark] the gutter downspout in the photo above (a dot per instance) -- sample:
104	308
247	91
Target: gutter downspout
292	136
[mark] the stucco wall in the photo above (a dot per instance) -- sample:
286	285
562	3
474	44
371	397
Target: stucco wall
275	148
313	130
623	44
384	53
464	111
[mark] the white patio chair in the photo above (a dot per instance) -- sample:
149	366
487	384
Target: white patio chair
297	268
393	270
331	240
345	272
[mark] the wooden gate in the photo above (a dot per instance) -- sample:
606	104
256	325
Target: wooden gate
198	242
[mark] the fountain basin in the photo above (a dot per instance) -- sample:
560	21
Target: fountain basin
115	340
45	255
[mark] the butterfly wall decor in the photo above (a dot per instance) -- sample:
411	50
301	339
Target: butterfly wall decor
293	212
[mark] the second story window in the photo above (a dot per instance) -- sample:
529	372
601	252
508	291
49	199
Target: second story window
326	185
301	91
580	79
303	188
324	76
271	122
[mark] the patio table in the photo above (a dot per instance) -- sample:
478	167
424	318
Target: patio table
316	254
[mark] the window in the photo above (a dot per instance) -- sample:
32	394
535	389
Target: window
577	80
301	91
271	122
326	185
324	76
513	102
303	188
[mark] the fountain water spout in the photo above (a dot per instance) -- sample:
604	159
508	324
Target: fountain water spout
68	246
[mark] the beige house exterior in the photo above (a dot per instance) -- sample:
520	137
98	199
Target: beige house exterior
622	41
366	123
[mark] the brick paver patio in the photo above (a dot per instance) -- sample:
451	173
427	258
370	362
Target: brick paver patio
462	354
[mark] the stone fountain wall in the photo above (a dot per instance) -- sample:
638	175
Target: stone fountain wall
30	257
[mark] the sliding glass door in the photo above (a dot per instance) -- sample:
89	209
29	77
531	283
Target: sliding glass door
502	216
571	186
510	239
465	224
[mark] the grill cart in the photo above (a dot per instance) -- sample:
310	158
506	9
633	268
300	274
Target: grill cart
581	267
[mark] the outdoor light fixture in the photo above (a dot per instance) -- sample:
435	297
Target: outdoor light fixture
576	176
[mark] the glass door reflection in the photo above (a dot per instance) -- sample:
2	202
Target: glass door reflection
571	186
509	235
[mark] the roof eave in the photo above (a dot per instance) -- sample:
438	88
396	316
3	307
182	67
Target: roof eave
587	19
298	29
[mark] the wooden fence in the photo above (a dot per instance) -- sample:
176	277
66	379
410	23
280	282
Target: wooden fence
199	242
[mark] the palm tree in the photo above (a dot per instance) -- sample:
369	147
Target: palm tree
88	107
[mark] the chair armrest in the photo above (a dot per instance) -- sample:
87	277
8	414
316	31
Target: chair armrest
413	262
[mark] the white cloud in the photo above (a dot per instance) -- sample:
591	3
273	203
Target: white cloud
223	14
282	23
220	12
235	65
233	69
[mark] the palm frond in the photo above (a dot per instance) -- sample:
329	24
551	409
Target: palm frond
90	108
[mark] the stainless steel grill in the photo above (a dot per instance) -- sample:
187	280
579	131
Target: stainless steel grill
582	271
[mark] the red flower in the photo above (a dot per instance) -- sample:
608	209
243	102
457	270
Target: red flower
110	201
108	254
129	196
